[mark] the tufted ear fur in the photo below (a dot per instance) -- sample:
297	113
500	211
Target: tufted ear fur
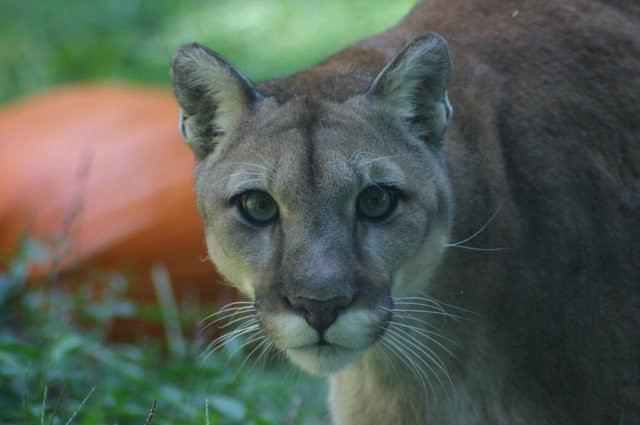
413	86
213	95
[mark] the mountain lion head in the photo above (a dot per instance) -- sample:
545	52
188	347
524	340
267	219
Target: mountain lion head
324	204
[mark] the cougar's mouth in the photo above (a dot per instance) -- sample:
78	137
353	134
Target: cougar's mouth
327	351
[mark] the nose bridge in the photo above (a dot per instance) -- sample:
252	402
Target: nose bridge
320	267
320	281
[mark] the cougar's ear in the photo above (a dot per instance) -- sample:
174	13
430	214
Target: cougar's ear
213	96
413	87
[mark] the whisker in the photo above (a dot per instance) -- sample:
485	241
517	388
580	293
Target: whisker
364	162
430	336
471	248
424	299
248	356
410	341
248	316
413	342
230	315
249	341
263	354
443	305
434	333
220	180
230	307
436	308
397	351
379	350
409	361
243	163
495	213
460	244
431	312
256	153
227	338
208	325
223	314
410	317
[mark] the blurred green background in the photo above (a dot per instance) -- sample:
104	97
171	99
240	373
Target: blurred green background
44	43
57	369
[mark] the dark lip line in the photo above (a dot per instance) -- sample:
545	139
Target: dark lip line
319	345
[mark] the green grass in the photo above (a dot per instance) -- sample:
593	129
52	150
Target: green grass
47	43
57	367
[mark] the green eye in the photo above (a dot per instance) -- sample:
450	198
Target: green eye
376	203
258	207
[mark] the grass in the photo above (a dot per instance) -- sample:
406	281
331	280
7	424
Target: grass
57	366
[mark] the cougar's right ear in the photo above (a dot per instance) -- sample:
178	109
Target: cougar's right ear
213	96
413	87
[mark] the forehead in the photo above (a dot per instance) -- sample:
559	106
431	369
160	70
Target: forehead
325	131
306	144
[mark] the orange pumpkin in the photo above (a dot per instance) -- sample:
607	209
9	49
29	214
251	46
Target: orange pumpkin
105	168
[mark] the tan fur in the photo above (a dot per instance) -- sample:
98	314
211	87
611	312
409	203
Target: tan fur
504	286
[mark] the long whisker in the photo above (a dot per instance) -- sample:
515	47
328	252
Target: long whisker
379	350
235	175
444	305
423	354
243	163
227	338
379	158
471	248
408	344
429	335
404	358
256	153
406	318
417	310
233	320
484	226
460	244
230	313
268	346
249	341
263	340
233	305
409	361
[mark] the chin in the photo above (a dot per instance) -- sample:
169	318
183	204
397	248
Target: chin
322	360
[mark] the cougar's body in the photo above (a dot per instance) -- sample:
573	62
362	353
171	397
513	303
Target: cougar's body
480	266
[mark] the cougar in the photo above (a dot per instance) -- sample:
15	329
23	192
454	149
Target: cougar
444	219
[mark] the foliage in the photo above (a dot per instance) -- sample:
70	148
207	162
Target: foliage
56	366
45	43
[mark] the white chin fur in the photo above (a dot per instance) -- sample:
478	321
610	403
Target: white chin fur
321	360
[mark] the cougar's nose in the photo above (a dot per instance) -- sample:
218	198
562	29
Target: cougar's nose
320	314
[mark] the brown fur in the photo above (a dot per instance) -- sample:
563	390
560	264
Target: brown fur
546	124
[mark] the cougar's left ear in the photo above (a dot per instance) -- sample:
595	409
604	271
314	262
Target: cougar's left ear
413	86
213	96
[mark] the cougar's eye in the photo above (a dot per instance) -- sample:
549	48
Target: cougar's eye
375	203
258	207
